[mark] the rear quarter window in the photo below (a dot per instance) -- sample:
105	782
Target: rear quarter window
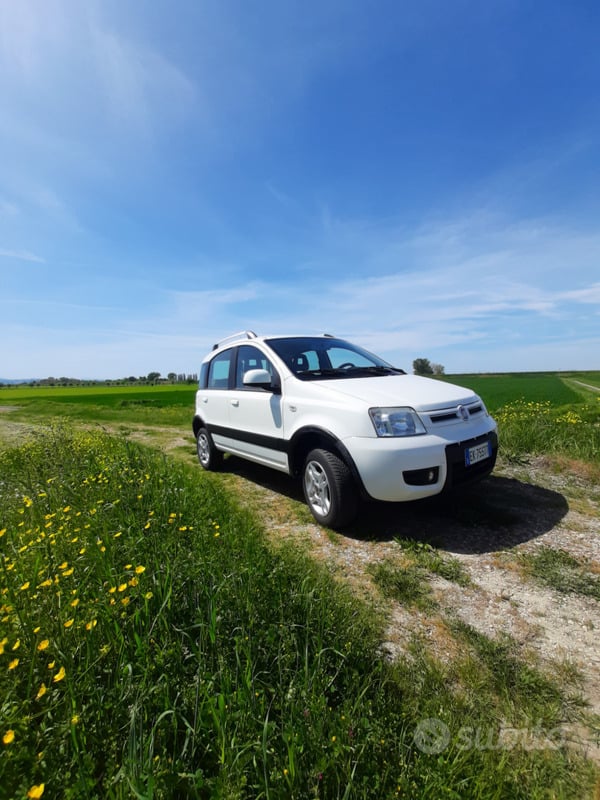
219	370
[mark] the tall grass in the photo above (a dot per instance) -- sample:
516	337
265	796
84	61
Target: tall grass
153	646
539	427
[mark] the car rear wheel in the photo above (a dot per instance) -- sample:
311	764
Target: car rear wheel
329	489
209	457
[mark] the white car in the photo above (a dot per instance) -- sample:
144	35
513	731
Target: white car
343	419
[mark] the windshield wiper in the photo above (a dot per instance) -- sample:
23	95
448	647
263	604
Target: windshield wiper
372	370
381	370
350	372
326	373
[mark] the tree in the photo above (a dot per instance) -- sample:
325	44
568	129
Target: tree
438	369
422	366
153	376
172	376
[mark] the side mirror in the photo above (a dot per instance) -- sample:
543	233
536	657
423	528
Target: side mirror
260	379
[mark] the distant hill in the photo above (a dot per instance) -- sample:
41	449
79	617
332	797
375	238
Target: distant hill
13	381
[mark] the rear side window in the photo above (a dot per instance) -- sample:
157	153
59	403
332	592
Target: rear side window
219	369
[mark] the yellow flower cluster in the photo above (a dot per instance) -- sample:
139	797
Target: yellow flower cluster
61	568
531	412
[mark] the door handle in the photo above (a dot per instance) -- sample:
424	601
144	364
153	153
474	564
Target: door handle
235	402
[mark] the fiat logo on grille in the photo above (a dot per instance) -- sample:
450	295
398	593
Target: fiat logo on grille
461	411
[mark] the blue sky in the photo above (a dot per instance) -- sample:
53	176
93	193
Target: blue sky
422	178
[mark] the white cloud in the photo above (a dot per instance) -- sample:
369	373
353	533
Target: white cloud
22	255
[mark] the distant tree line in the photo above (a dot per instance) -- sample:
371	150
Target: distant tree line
152	378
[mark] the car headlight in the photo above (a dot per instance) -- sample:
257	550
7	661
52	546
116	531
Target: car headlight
396	422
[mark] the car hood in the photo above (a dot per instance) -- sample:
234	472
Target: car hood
422	394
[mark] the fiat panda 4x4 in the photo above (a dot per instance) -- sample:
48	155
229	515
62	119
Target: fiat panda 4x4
346	422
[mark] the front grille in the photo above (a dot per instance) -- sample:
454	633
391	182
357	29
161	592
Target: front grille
452	415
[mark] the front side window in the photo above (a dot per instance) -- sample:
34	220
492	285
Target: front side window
218	371
250	357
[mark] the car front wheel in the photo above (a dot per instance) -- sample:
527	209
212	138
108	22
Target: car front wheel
209	457
329	489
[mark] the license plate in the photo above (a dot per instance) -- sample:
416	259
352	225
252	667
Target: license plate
477	453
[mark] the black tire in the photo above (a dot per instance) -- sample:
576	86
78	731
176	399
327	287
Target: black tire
329	489
209	457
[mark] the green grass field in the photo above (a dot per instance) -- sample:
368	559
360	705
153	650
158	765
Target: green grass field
499	390
153	646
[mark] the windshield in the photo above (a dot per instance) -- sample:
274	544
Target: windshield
318	357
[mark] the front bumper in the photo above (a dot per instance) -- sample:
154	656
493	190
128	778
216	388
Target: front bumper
422	466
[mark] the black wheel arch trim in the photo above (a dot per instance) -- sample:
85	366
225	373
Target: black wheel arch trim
323	438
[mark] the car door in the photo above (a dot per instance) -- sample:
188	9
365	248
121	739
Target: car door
255	416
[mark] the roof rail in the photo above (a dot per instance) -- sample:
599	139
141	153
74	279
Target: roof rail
234	338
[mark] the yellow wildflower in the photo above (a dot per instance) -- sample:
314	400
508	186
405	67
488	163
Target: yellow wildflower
13	664
16	645
37	790
25	586
139	569
122	587
59	675
9	737
91	624
69	622
41	691
43	645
